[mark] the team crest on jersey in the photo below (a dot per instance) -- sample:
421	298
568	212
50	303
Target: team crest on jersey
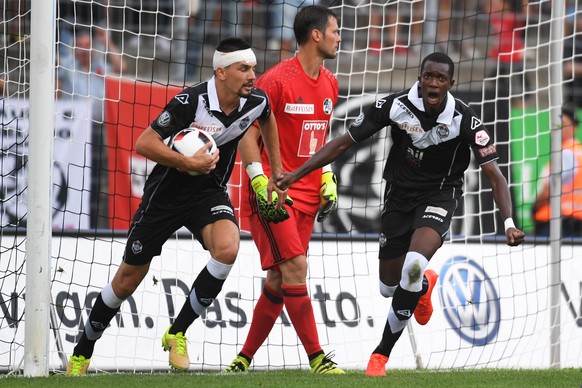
380	103
443	131
327	106
359	120
164	119
475	122
244	123
183	98
481	138
136	247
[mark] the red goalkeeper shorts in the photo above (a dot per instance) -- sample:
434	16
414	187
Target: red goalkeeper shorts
282	241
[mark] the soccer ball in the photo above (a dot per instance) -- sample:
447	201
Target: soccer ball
189	141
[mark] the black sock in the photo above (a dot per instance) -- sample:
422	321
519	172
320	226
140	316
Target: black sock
403	304
206	287
185	317
98	321
314	355
245	357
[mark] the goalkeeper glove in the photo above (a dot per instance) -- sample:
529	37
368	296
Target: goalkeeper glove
327	195
268	212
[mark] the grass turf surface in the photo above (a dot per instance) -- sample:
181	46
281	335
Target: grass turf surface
300	378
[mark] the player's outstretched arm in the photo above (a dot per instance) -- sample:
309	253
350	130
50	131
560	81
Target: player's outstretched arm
265	190
325	155
502	198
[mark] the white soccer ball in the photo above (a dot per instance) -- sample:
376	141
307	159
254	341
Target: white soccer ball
189	141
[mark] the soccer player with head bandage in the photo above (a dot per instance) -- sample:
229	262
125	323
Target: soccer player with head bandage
224	106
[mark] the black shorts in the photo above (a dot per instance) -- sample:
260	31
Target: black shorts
405	210
154	224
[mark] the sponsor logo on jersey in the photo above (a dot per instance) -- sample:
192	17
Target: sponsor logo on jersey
299	109
490	149
410	128
481	138
469	301
359	120
327	106
380	103
475	122
443	131
314	125
207	128
183	98
414	157
164	119
404	108
206	301
136	247
245	123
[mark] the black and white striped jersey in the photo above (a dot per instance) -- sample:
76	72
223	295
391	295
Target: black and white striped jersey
198	106
427	152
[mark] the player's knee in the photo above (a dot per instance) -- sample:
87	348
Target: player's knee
412	271
294	271
387	291
124	286
225	254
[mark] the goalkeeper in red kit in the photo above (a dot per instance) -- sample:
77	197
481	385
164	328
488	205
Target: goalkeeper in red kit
302	94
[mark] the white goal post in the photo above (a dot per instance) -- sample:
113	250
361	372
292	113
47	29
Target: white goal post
70	181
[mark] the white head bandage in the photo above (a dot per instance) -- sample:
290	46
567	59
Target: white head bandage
225	59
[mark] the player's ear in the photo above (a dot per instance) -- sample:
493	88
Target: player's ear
220	73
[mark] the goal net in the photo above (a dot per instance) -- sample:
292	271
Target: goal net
118	62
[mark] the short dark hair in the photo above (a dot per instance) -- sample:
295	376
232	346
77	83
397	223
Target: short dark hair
228	45
439	58
570	111
310	18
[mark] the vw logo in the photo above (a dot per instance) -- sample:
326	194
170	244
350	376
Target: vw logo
469	299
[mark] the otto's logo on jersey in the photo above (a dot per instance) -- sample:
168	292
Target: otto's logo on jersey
164	119
327	106
313	134
443	131
299	109
482	138
244	123
314	125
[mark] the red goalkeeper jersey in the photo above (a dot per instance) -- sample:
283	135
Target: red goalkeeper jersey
303	107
